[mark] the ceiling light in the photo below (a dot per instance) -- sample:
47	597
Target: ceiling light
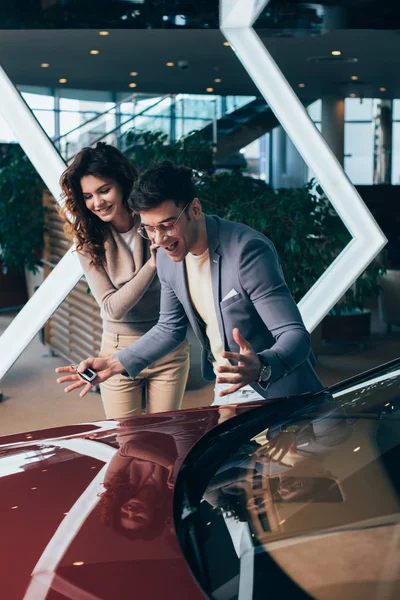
382	89
45	65
354	77
95	52
132	85
336	53
210	89
62	80
302	85
78	563
169	64
357	449
226	44
218	80
353	95
133	73
104	33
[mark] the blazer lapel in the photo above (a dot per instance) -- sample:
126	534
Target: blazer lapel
215	261
215	264
187	303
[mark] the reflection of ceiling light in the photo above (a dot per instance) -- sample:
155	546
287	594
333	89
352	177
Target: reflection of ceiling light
210	90
95	52
45	65
170	64
226	44
302	85
78	563
382	89
62	80
354	77
357	449
218	80
132	85
14	507
336	53
133	73
353	95
104	33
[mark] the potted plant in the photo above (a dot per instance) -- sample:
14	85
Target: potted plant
21	224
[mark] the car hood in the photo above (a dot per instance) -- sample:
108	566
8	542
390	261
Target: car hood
63	527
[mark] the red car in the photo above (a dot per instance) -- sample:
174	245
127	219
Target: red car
298	497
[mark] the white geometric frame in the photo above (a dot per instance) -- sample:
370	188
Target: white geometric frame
236	23
56	287
237	18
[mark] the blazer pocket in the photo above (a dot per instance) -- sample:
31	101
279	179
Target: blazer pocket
231	300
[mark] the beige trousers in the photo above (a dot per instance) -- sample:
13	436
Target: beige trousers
163	382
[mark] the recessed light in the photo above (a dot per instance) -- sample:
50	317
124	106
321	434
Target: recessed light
62	80
382	89
133	73
210	89
353	95
226	44
104	33
218	80
169	64
336	53
357	449
45	65
95	52
132	85
354	77
302	85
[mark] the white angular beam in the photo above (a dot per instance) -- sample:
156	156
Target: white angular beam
49	164
237	18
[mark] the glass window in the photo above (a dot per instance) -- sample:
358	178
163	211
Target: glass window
314	110
358	145
396	154
357	109
38	100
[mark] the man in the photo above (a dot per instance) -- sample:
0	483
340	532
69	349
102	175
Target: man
224	279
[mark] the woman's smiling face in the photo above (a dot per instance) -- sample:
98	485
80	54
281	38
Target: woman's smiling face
103	197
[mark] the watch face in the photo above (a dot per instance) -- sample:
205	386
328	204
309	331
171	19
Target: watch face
265	373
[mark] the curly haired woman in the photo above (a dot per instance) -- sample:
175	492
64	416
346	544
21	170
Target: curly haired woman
120	268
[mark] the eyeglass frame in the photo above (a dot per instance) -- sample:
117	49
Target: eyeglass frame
170	230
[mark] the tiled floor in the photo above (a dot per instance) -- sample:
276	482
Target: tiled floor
33	399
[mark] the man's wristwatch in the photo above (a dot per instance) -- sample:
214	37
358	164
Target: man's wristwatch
265	373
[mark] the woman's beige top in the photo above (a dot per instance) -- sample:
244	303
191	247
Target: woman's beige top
126	286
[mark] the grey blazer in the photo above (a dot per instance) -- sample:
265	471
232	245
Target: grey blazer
245	267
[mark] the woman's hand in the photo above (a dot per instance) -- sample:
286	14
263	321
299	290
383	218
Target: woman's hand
153	255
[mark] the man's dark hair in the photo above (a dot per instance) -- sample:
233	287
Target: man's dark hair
162	181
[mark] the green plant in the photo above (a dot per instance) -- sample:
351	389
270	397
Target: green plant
307	232
301	222
151	146
21	211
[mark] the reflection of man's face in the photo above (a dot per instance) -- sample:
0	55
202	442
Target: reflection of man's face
134	514
294	488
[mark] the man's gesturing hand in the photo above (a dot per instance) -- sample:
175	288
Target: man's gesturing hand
104	367
246	371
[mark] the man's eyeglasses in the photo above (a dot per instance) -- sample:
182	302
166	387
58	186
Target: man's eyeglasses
165	230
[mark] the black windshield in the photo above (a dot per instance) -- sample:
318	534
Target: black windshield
299	498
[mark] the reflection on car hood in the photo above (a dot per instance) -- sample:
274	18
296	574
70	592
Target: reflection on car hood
63	528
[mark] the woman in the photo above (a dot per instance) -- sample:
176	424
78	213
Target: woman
120	268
